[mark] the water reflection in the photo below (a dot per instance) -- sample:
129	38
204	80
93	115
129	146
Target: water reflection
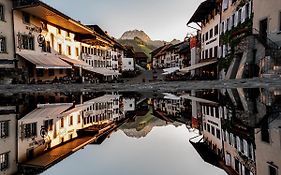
236	130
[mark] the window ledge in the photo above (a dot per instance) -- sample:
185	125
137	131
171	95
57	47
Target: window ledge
279	33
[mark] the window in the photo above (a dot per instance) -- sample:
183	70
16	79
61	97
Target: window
211	33
26	18
71	121
129	63
69	50
216	30
216	55
46	47
40	72
236	165
59	31
272	170
218	134
30	130
222	27
2	44
77	51
60	49
62	123
247	11
4	129
233	20
225	5
79	119
213	130
51	72
211	56
2	15
27	42
228	24
206	36
4	161
48	125
68	34
239	16
208	128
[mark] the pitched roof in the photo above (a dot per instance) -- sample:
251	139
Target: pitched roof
203	10
163	50
44	11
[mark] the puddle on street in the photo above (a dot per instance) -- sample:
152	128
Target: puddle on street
216	132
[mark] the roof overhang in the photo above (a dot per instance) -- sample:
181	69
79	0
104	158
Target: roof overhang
53	16
202	11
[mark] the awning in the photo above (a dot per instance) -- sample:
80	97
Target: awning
170	96
196	66
45	61
201	100
47	111
76	63
170	70
102	70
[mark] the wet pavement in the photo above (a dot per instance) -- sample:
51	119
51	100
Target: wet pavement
205	131
155	86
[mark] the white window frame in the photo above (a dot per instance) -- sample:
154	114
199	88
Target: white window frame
4	161
4	129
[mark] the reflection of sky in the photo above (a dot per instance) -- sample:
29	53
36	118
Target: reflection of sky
165	150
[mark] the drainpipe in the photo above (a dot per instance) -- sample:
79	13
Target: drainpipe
14	40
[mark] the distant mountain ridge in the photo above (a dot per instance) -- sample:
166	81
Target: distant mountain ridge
132	34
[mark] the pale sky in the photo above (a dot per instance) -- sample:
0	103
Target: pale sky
160	19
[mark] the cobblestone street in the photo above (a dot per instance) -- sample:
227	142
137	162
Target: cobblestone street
160	86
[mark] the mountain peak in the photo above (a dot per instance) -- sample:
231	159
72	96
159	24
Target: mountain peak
130	35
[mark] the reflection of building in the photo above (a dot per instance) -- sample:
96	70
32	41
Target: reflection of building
44	128
268	146
129	104
211	116
8	145
102	109
171	105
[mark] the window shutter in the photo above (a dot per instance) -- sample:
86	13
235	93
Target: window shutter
221	28
230	23
232	139
246	149
238	143
225	26
223	55
226	137
250	8
236	19
243	15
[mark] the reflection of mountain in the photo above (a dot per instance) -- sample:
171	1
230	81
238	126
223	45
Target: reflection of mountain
142	125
